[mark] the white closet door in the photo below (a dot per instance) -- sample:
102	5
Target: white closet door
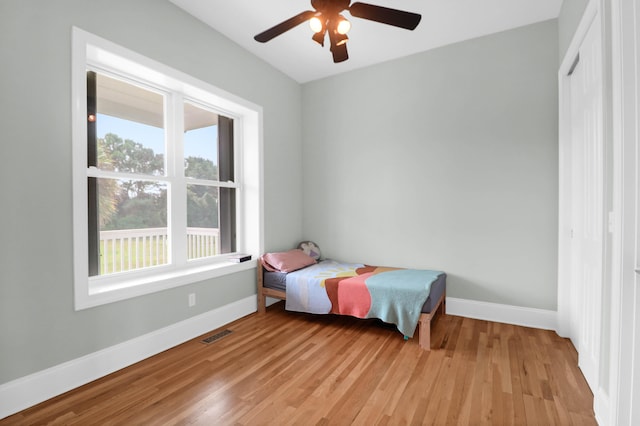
587	203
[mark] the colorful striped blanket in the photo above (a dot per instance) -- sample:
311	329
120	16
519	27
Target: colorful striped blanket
392	295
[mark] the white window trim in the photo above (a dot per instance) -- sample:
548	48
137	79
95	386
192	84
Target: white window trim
91	50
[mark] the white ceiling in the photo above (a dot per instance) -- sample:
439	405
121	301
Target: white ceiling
294	53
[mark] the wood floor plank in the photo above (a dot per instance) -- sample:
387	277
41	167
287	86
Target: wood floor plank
289	368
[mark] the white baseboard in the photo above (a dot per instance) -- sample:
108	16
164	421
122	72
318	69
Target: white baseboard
527	317
601	407
30	390
270	301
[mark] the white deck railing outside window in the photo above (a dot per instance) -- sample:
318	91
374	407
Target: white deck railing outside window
129	249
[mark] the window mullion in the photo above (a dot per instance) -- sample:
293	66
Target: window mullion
177	215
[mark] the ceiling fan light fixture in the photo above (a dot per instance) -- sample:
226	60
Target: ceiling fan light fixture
338	39
319	38
343	26
316	24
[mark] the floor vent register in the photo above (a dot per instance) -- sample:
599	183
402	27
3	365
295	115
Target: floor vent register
216	336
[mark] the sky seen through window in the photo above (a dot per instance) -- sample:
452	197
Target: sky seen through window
198	142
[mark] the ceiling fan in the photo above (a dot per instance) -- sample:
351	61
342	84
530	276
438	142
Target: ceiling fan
326	19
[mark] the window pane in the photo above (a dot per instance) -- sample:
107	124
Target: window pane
129	127
200	143
132	218
203	233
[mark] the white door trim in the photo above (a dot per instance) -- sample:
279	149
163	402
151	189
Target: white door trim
625	92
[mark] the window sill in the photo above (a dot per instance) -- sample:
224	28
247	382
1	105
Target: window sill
101	293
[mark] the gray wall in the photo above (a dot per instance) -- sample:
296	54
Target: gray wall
447	159
38	325
570	15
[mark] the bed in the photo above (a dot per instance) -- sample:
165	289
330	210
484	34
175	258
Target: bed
408	298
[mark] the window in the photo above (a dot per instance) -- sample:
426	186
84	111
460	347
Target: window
166	175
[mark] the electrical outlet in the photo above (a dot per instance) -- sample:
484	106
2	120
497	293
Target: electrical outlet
192	300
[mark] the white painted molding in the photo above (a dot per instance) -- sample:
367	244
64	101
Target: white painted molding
270	301
591	11
601	407
30	390
527	317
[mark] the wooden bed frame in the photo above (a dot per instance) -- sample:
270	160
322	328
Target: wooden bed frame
424	323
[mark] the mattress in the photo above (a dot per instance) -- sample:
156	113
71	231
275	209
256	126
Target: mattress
278	281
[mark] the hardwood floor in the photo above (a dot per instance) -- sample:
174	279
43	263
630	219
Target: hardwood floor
287	368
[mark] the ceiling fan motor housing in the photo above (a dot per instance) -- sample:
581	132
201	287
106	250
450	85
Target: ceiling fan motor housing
330	6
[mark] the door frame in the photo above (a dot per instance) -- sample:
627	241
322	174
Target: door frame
625	109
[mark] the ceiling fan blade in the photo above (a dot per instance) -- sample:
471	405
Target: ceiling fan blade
339	53
385	15
284	26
